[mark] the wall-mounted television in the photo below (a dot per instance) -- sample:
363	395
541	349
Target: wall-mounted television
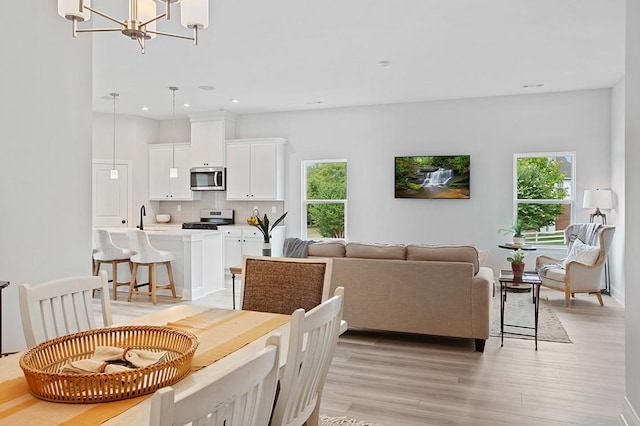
435	176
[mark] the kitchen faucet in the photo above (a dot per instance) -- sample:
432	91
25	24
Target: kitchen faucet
143	212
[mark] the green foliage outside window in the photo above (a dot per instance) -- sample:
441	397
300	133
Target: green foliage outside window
540	178
327	181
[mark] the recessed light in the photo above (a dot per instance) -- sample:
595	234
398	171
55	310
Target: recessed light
206	88
186	105
145	108
384	63
314	102
235	101
532	85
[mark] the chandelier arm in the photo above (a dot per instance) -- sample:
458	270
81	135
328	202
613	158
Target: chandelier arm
141	43
98	30
104	15
154	19
171	35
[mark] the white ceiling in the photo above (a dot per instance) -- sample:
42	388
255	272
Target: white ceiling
285	55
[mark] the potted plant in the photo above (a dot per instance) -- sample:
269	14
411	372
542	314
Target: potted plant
517	228
263	226
517	262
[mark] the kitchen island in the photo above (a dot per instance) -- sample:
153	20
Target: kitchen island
198	268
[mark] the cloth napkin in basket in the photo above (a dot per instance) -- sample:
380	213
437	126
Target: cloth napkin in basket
137	357
92	366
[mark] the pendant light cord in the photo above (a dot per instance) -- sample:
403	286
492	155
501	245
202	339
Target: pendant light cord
114	95
173	146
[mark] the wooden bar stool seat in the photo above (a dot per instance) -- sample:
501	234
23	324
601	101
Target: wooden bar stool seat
145	255
109	253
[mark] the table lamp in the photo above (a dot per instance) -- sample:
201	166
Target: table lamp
597	199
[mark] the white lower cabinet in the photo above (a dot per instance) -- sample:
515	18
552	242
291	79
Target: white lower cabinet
242	241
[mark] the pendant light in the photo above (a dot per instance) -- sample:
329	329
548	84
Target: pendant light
114	171
173	171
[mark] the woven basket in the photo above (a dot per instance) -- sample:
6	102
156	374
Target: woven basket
42	363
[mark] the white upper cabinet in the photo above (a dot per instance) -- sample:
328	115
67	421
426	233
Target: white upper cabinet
161	186
208	134
255	169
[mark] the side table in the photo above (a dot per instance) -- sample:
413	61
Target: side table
528	278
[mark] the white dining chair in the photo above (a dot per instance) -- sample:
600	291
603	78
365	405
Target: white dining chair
312	343
63	306
242	396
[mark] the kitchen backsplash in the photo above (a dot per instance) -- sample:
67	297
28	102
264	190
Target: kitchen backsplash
190	210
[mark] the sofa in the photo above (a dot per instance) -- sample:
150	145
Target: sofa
434	290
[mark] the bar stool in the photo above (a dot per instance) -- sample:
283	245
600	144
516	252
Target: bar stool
107	252
235	270
145	255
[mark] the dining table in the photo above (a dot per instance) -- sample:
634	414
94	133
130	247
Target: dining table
225	338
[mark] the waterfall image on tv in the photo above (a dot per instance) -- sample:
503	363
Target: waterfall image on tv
438	176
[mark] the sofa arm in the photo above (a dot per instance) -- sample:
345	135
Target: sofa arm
481	290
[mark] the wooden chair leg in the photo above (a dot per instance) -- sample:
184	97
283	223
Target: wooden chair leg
152	282
172	286
96	267
114	270
599	296
567	298
132	284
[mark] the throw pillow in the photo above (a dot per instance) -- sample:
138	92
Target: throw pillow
583	253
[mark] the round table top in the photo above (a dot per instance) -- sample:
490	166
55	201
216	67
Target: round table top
511	246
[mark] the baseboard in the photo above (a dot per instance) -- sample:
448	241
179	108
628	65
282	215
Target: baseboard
629	417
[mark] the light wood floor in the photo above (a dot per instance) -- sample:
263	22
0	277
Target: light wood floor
405	380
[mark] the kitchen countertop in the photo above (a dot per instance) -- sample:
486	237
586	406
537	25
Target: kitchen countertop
168	230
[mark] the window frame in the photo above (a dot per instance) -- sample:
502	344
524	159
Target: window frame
571	201
304	202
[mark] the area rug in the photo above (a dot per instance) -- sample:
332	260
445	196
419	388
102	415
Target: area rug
519	310
343	421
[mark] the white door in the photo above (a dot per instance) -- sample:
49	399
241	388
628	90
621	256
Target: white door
111	197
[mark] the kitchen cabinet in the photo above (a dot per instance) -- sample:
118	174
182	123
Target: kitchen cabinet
161	186
242	241
255	169
208	134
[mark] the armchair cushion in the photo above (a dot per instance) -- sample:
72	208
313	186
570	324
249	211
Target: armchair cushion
583	253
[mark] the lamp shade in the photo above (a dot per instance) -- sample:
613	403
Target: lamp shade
194	13
146	12
70	9
597	199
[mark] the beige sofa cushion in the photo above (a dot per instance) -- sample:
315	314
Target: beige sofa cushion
376	251
327	249
457	253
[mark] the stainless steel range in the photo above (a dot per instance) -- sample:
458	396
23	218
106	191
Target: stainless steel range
210	219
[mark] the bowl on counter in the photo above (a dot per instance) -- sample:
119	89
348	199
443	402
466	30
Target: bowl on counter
163	218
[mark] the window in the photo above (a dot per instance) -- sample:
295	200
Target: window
324	199
544	195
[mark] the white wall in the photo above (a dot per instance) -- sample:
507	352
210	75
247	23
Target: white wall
45	128
617	215
632	204
490	129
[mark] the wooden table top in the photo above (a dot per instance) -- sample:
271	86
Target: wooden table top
216	327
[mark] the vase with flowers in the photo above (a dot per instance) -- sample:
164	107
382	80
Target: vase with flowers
517	262
263	225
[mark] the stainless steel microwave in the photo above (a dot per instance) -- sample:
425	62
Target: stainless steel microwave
208	179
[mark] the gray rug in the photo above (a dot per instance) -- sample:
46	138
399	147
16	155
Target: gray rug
343	421
519	310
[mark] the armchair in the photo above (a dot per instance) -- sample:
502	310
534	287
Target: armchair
572	276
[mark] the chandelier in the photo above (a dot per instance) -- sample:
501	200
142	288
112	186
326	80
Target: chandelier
141	24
